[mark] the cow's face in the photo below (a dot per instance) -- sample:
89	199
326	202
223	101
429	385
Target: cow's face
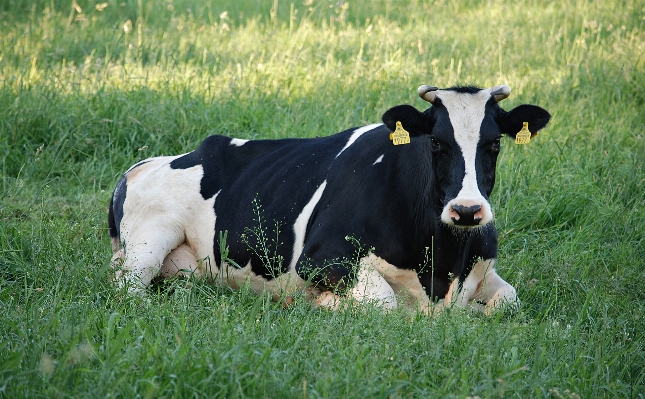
464	127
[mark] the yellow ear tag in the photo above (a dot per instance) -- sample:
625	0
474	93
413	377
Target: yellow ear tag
523	136
399	135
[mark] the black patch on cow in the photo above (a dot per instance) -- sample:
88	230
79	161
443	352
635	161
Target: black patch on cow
115	213
454	253
488	150
415	122
213	157
447	167
114	231
363	208
186	161
511	122
265	185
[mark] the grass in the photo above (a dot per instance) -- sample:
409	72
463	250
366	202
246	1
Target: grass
84	94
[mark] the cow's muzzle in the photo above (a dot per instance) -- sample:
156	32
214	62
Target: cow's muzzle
463	215
466	213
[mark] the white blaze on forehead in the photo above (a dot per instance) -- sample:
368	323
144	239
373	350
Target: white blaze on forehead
466	112
358	133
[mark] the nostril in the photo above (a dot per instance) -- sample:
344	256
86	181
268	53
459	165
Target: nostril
466	210
467	215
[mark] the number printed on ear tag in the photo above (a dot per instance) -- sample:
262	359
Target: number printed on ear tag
523	136
399	135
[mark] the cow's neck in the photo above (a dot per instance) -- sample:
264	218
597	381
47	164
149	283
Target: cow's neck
427	204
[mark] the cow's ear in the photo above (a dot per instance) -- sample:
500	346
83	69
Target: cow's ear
511	122
415	122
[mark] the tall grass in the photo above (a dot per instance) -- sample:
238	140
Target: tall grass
87	89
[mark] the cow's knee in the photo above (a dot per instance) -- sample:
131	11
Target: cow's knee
504	298
144	256
372	287
138	271
495	293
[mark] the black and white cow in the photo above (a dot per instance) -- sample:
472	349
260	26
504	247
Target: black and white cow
346	216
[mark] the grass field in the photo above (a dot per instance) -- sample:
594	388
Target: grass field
88	89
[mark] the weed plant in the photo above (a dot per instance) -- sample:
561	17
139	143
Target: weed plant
87	89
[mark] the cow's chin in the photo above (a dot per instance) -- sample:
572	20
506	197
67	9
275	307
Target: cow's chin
482	223
461	230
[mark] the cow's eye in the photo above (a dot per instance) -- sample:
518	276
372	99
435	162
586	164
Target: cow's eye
496	144
436	146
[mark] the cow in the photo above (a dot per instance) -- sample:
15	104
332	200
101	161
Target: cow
395	213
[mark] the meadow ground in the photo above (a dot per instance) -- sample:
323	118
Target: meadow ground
87	89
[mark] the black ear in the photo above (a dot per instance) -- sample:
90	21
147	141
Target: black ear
511	122
415	122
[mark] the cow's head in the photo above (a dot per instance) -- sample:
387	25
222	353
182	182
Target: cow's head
464	126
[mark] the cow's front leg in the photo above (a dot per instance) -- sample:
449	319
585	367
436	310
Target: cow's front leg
482	286
460	295
370	287
495	292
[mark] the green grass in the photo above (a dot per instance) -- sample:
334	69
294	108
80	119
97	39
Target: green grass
81	100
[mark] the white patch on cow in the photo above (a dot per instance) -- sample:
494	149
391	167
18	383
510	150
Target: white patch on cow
238	142
460	298
300	226
495	293
358	133
466	113
154	226
184	261
483	284
180	262
371	286
405	283
378	160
